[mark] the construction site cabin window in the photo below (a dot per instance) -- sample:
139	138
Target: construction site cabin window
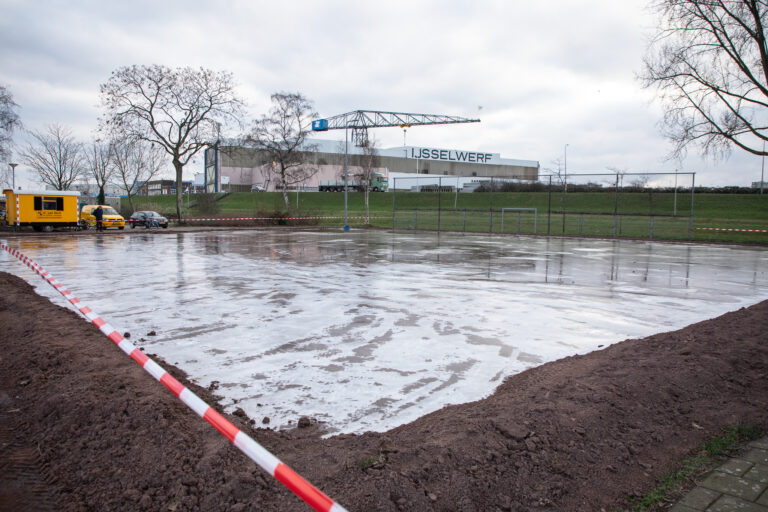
49	203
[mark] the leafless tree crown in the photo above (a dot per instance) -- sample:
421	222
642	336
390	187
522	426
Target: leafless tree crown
709	63
181	110
56	156
99	157
9	122
282	134
136	162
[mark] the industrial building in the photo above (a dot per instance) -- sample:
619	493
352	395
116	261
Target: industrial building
244	167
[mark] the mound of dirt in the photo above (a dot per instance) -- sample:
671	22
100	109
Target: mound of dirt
82	427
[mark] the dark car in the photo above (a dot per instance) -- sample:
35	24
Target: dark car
143	218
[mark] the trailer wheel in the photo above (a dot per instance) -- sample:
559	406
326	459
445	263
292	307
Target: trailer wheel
46	228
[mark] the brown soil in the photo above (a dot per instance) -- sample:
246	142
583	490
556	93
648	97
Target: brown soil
82	427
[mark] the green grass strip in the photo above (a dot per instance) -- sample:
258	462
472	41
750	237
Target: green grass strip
673	483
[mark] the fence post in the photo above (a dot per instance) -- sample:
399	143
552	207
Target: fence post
416	218
490	210
651	227
394	187
690	219
549	207
615	204
581	223
518	223
439	186
464	227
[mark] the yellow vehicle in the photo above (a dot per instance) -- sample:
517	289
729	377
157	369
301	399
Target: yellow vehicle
110	219
44	210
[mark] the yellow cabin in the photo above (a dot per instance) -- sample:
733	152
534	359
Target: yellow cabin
44	210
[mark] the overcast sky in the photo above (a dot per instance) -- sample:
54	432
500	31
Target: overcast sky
539	75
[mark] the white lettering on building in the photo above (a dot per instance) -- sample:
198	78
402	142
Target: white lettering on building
450	155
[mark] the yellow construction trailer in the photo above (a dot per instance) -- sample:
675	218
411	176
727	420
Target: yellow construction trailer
44	210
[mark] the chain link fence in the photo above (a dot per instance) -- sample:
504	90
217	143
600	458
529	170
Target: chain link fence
631	205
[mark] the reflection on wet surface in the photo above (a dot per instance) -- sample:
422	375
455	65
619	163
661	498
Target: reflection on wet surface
369	330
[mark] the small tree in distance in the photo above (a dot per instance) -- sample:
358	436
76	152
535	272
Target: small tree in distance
135	163
99	158
281	134
56	156
181	110
369	167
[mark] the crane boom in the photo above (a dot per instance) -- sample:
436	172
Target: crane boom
360	120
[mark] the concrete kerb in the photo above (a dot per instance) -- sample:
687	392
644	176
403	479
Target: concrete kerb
271	464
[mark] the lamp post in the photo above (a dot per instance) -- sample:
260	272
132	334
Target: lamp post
346	172
13	176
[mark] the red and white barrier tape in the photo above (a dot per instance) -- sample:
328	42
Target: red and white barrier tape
268	218
271	464
736	229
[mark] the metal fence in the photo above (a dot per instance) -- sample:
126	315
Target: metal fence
634	205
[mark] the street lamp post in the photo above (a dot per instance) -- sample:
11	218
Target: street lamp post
346	172
13	176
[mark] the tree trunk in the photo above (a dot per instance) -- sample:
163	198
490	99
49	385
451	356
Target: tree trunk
367	212
179	169
285	192
285	198
101	199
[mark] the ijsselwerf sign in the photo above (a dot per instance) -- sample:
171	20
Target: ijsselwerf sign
452	155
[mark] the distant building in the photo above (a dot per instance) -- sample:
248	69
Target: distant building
245	167
759	184
91	189
163	187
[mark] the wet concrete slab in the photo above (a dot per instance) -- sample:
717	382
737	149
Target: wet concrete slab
366	330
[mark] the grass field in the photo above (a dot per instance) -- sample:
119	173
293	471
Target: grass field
657	215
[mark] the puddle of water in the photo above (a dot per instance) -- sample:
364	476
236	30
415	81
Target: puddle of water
369	330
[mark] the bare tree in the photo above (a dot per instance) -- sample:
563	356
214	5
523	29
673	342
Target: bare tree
136	162
56	156
282	134
640	182
370	166
709	63
181	110
9	122
99	157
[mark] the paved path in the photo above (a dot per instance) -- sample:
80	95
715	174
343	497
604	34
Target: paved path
741	484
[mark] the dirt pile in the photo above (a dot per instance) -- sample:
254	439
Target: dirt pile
84	428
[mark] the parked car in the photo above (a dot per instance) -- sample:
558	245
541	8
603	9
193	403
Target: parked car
141	218
110	219
257	188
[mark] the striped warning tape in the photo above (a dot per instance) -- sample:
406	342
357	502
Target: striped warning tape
736	229
267	218
271	464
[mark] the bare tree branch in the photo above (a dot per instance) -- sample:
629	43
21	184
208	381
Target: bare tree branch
136	162
56	157
180	110
9	122
99	158
281	134
709	64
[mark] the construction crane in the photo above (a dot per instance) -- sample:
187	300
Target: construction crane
360	120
